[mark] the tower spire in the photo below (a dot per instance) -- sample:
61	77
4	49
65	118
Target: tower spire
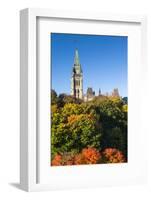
76	58
77	78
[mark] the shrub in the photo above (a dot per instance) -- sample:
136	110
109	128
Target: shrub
112	155
91	155
79	159
68	158
57	160
114	138
87	156
64	159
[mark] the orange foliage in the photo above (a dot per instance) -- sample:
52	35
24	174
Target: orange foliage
91	155
79	159
67	159
57	161
88	156
64	159
112	155
74	118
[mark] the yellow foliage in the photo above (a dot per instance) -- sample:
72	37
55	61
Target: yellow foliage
54	108
74	118
125	108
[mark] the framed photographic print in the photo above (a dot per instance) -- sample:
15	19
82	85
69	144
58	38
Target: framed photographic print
81	123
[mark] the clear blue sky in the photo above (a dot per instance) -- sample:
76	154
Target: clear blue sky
103	60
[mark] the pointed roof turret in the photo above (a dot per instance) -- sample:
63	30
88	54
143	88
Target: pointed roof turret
99	91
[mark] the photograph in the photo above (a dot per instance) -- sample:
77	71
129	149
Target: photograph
88	99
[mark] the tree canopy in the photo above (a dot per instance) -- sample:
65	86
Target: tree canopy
76	125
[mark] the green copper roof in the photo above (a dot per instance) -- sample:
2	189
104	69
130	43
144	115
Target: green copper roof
76	58
77	67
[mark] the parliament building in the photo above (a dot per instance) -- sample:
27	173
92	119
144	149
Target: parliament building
77	83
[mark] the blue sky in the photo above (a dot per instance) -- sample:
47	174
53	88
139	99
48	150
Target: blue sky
103	60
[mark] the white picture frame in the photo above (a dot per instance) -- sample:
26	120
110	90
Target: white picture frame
29	149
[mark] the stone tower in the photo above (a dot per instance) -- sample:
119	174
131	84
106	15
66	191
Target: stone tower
99	92
77	78
115	93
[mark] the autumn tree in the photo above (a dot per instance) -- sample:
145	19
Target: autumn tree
72	131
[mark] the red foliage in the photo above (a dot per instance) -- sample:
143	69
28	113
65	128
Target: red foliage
57	161
88	156
91	155
112	155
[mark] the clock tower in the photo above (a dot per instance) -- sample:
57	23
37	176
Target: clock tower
77	78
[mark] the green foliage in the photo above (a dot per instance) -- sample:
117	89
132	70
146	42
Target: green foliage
113	116
114	138
125	100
